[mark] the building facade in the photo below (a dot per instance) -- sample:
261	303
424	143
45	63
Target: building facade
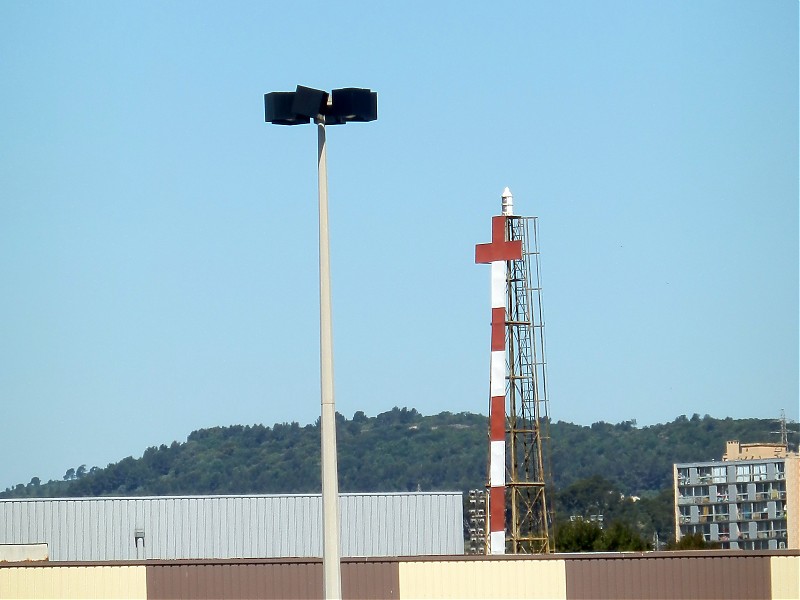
747	501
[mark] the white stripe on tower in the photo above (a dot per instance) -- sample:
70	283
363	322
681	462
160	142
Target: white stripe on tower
496	254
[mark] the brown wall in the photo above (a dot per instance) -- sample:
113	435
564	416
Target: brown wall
707	575
275	579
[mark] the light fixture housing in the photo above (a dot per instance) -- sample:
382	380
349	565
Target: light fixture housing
305	104
354	104
278	109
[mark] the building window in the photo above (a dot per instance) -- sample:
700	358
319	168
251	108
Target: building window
720	512
704	474
683	476
685	514
741	492
718	474
759	472
746	511
742	472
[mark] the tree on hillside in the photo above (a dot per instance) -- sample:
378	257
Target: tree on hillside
620	537
577	536
692	541
586	536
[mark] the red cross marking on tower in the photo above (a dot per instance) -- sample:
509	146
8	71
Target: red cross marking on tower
499	249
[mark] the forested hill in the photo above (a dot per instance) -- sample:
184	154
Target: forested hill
399	450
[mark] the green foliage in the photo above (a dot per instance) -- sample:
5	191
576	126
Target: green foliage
585	536
577	536
620	537
597	469
596	497
639	460
692	541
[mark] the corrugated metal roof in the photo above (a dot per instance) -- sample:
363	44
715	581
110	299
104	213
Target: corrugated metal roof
174	527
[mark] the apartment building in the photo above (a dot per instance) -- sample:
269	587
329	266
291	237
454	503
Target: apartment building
746	501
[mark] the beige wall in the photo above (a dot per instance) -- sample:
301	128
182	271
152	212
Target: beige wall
535	579
792	470
734	450
785	577
676	519
74	582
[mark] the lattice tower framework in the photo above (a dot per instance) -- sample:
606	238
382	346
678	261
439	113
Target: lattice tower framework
528	421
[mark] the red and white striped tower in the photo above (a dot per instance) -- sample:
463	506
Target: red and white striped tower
496	254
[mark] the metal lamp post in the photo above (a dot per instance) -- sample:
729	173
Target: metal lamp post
296	108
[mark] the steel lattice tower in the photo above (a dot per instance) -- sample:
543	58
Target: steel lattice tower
519	520
528	415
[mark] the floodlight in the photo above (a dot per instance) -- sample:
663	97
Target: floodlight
354	104
309	102
278	109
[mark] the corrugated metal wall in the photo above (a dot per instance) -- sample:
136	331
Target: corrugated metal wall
402	524
676	576
785	577
205	527
277	580
483	578
706	575
67	582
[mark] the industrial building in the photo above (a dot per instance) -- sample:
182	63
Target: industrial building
231	527
748	501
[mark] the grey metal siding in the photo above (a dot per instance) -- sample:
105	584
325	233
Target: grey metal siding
258	526
401	525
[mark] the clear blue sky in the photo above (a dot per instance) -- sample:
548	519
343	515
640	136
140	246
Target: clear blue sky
158	252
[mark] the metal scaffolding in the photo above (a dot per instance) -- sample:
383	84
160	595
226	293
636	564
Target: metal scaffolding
528	415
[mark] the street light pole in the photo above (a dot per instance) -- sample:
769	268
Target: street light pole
331	571
294	108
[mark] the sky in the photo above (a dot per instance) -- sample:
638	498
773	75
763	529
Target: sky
158	240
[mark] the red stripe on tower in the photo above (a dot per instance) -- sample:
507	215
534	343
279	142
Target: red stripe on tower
497	253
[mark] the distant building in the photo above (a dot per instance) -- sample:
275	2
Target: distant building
748	501
225	527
